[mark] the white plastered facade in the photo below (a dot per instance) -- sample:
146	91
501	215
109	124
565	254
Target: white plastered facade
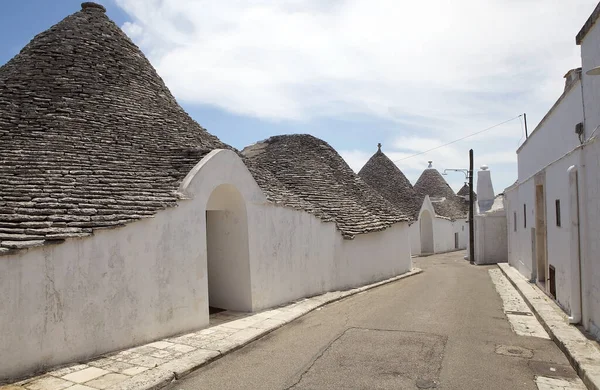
444	235
157	277
491	241
554	163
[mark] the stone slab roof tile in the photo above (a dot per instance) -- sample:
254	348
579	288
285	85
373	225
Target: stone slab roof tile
304	172
90	136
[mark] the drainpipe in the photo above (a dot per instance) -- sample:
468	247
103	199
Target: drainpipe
575	253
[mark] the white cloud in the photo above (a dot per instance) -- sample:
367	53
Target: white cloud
295	59
442	68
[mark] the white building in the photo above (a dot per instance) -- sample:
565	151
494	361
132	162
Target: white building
122	220
439	215
553	210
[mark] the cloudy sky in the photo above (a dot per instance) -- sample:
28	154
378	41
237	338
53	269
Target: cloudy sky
411	75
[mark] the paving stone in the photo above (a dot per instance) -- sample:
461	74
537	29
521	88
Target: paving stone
85	375
544	383
164	354
107	380
134	370
568	338
242	323
81	387
146	361
268	324
68	370
100	363
149	379
524	323
143	350
188	362
180	348
49	383
160	344
116	366
126	356
189	340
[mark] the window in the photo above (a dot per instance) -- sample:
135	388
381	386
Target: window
558	212
515	221
525	216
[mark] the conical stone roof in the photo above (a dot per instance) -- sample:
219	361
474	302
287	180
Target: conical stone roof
433	184
445	202
90	136
464	191
386	178
320	182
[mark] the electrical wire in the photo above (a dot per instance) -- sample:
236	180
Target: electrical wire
460	139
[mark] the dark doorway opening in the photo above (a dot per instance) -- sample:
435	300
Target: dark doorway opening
552	280
214	310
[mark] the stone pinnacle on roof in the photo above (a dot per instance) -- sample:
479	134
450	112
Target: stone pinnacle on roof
386	178
89	5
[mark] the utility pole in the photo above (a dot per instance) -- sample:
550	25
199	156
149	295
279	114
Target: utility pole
471	211
525	118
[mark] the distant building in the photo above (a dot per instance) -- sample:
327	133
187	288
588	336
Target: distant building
122	220
553	210
464	192
439	215
491	245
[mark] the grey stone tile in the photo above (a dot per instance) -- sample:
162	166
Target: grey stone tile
85	375
49	383
107	380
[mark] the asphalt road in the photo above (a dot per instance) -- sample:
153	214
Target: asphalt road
439	329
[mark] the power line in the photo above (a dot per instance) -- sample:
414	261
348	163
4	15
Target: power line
460	139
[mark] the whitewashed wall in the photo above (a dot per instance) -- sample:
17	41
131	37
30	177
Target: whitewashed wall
443	232
590	57
554	136
591	236
415	238
371	257
119	288
520	241
491	245
558	237
294	254
148	280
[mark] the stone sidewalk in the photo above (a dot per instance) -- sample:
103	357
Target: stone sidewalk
156	364
583	354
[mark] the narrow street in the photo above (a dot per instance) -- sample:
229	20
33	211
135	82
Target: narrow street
444	328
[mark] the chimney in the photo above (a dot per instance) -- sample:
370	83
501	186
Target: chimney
485	189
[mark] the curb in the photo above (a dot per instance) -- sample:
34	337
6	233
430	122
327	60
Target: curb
582	353
166	374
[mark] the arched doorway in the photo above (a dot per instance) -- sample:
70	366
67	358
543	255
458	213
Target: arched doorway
426	226
227	250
